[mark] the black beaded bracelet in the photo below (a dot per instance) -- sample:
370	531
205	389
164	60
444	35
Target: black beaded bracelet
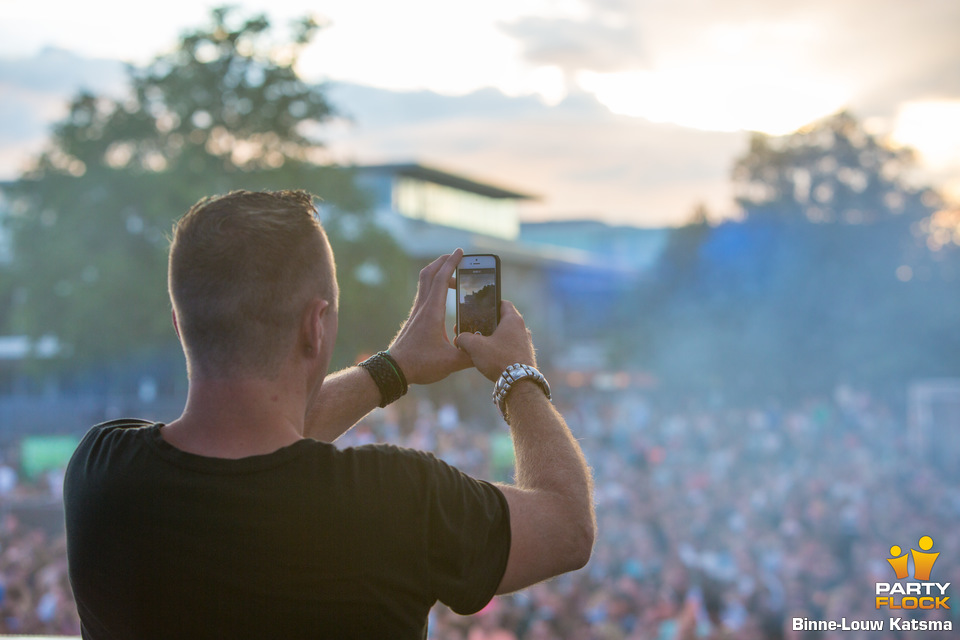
387	375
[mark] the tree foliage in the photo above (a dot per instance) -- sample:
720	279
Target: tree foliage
224	110
225	100
829	277
829	171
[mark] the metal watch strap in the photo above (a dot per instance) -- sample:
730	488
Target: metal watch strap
512	374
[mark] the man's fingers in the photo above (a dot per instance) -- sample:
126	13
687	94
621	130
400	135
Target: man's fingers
436	296
428	272
508	309
466	341
459	359
460	338
439	272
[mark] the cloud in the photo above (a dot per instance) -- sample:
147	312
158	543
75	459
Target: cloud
371	106
35	92
581	160
578	157
884	51
58	72
27	113
576	45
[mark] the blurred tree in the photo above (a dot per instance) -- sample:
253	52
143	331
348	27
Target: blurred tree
225	110
682	254
828	278
829	171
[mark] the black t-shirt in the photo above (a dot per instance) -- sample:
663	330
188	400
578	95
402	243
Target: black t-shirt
307	542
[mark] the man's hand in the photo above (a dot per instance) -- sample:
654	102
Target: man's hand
509	344
552	523
422	348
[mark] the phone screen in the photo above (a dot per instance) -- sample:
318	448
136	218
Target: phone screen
478	294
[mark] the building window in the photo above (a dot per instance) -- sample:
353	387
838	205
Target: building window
439	204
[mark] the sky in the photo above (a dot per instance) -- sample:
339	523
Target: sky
629	111
470	283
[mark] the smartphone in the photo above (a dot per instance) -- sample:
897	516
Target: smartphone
478	293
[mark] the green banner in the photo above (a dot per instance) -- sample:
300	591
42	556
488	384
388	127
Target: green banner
42	453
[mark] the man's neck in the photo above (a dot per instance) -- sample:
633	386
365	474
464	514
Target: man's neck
237	418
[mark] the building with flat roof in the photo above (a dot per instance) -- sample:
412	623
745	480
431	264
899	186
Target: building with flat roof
567	278
419	193
430	212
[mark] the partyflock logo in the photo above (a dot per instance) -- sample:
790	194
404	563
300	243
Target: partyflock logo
920	593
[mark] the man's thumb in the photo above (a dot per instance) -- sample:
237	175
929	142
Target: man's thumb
466	341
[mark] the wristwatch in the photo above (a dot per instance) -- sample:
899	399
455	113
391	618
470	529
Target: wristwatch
512	374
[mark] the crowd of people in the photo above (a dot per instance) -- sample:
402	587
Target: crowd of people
35	594
715	521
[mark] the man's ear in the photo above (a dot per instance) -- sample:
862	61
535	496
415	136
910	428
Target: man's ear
312	326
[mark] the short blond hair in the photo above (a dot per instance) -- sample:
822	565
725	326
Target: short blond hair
242	268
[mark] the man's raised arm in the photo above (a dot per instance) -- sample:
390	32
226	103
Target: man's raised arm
552	519
421	349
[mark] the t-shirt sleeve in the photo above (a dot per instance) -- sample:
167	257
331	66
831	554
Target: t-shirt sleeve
469	539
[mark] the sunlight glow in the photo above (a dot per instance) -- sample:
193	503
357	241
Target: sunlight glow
932	128
717	97
449	48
